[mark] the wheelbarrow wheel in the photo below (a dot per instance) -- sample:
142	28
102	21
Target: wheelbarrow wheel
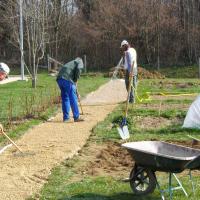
142	181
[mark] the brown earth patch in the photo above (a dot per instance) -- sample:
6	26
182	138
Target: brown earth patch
163	106
175	97
172	84
142	73
105	159
146	74
110	160
151	122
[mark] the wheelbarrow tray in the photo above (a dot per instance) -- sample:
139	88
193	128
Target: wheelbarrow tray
161	156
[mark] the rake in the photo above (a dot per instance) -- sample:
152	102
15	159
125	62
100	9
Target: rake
2	131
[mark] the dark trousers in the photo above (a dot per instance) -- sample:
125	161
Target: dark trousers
133	84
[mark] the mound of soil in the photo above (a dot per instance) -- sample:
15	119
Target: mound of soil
142	74
112	160
145	74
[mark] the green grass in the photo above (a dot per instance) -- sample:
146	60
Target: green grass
61	185
23	106
172	132
172	85
186	72
176	71
19	96
18	93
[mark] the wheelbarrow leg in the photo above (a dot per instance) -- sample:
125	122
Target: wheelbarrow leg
191	180
180	185
170	186
159	188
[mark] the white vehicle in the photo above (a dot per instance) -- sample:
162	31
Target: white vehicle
192	119
4	68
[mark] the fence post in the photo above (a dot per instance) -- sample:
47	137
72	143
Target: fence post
199	67
85	63
48	63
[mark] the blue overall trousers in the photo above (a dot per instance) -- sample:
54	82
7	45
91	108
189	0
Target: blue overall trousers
69	98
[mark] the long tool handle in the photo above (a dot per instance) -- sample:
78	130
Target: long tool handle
129	90
79	101
56	61
194	138
10	140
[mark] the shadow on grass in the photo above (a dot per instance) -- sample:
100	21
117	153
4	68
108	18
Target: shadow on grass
119	196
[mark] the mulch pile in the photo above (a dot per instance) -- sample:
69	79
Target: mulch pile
142	74
145	74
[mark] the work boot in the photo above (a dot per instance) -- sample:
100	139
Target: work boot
131	101
66	120
78	120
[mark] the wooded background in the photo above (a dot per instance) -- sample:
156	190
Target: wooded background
164	32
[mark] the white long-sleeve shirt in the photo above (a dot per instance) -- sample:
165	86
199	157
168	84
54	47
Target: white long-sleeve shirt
131	58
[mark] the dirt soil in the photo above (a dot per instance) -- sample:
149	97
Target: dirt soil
102	159
175	97
142	73
173	84
151	122
110	159
47	145
163	106
146	74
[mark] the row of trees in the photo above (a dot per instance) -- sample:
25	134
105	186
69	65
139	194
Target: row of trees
164	32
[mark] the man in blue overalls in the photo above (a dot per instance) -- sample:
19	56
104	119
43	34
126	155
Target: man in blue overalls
67	81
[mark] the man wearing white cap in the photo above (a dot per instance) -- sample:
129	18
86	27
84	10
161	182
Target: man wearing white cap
130	61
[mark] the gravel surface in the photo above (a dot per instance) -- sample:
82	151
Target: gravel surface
47	145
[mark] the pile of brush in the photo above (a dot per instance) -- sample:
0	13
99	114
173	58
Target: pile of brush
142	73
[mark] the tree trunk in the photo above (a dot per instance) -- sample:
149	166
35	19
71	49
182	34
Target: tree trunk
34	73
158	37
34	82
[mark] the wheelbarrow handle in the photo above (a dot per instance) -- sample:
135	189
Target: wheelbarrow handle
194	138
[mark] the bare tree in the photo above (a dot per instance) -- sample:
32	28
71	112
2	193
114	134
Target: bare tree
35	30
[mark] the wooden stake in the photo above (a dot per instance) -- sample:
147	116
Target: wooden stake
160	108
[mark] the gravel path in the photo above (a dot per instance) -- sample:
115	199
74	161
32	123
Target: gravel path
50	143
11	79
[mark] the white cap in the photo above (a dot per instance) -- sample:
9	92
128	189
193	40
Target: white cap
5	68
124	42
